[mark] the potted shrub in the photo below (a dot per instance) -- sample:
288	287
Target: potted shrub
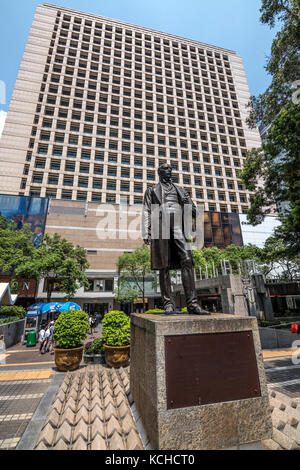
71	328
116	334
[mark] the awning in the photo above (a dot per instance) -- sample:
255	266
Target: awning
6	297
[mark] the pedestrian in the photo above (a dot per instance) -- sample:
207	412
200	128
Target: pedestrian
50	339
90	323
97	319
42	339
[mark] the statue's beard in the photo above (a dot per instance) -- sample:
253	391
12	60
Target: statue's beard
166	179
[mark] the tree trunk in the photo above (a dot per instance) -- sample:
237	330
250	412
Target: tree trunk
143	294
49	291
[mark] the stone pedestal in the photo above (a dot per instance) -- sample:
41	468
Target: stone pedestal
198	383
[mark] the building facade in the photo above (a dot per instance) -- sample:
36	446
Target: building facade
99	104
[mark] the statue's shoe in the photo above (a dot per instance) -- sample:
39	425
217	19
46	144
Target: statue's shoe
198	311
170	310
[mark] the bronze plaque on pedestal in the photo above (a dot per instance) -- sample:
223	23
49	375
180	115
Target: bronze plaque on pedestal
210	368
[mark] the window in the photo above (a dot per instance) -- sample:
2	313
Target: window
97	183
81	196
53	179
55	165
68	181
37	178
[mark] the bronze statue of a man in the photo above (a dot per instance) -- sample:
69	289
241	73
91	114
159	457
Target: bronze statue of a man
165	229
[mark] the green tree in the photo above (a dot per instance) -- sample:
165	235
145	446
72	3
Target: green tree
135	267
272	171
275	256
15	247
58	261
210	259
284	62
125	292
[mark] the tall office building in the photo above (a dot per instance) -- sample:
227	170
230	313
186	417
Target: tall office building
99	104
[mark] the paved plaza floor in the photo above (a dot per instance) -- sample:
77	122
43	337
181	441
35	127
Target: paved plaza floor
30	382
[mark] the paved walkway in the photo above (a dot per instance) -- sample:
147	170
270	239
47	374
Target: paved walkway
25	378
29	383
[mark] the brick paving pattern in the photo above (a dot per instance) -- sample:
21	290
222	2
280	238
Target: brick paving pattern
92	411
18	402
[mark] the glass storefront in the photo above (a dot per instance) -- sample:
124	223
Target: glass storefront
222	229
31	211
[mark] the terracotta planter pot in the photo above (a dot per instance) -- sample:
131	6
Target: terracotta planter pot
68	359
117	356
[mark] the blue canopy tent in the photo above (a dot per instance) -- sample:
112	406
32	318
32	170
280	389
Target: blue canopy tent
68	306
52	307
37	308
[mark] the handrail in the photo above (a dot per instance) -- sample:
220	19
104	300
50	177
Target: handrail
281	324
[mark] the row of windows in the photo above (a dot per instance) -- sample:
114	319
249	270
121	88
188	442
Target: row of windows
114	113
159	107
163	86
175	141
151	131
140	53
142	72
112	198
114	158
179	72
108	31
85	168
96	183
160	94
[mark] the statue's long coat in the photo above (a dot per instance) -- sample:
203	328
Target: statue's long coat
163	254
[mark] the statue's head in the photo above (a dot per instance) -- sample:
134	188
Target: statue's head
165	172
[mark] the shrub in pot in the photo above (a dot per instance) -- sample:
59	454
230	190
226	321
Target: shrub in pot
116	334
71	328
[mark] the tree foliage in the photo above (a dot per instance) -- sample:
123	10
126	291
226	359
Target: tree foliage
271	259
273	170
284	62
16	245
135	266
59	261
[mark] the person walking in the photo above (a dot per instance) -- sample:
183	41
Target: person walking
91	324
50	347
42	339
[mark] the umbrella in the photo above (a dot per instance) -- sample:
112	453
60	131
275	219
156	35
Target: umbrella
69	306
36	307
52	307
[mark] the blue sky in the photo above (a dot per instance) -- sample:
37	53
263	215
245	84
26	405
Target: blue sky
233	24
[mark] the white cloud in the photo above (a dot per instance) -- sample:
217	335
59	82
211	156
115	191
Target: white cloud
3	115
